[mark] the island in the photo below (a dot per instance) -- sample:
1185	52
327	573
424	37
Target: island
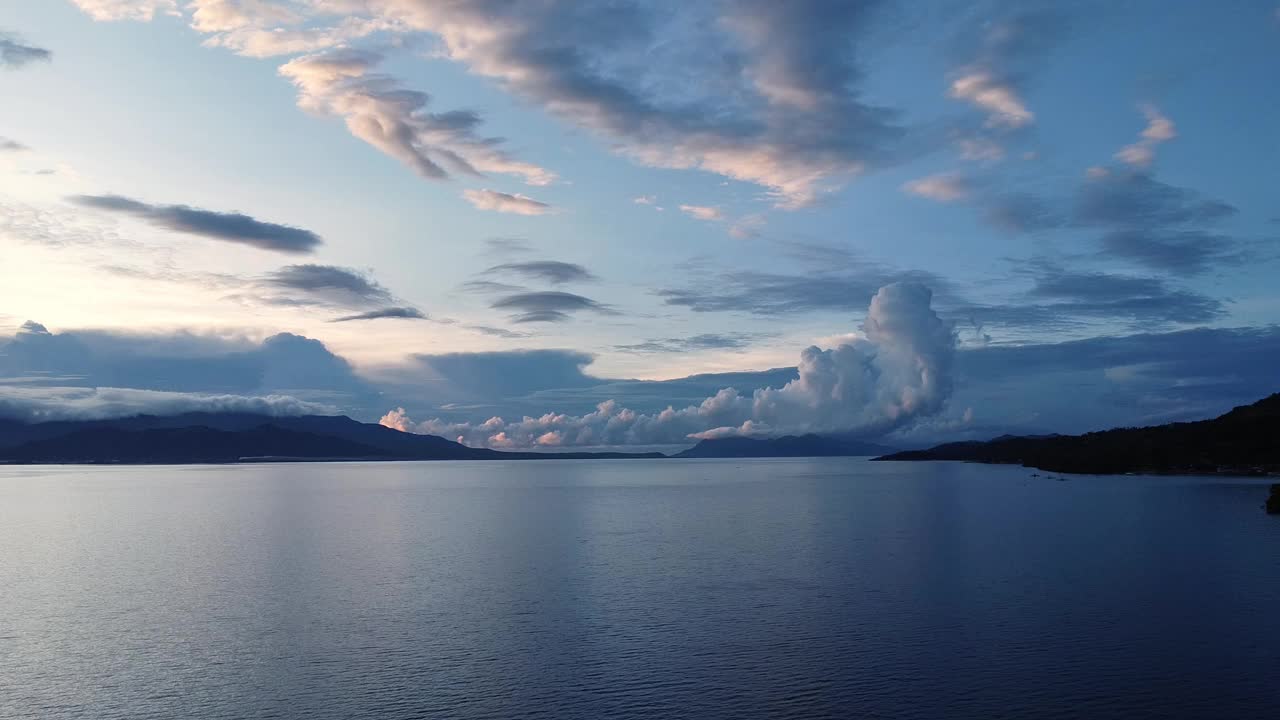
1244	441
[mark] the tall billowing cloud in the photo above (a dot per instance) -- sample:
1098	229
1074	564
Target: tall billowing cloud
228	226
898	370
395	120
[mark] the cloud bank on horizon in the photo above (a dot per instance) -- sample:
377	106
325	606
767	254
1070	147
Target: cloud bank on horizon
896	372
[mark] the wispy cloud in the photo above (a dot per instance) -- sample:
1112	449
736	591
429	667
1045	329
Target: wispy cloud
1159	129
998	56
143	10
516	204
395	120
703	212
942	187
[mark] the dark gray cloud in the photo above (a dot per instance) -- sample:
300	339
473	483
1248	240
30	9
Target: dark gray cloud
1063	299
1021	212
1179	252
312	284
231	227
1133	198
182	362
1103	382
705	341
8	145
497	331
1156	225
404	313
15	54
497	375
548	306
552	271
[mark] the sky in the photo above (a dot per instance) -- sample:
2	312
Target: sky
564	224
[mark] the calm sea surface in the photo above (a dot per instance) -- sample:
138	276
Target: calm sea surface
627	589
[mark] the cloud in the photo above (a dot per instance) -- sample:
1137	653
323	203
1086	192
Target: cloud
326	284
404	313
552	271
210	16
1103	382
497	331
999	57
395	120
258	42
181	362
516	204
1135	198
1154	224
61	403
459	383
1002	103
231	227
747	226
548	306
693	343
1020	212
763	293
980	149
507	246
490	287
7	145
14	54
775	103
1179	252
703	212
142	10
1159	129
1062	298
942	187
646	200
899	370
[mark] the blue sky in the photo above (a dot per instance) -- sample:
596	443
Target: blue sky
646	191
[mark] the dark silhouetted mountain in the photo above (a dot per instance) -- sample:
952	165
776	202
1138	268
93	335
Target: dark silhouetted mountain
229	437
786	446
184	445
1245	440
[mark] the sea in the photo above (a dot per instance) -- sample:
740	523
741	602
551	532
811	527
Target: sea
776	588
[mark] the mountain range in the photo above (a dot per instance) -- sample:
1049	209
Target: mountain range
786	446
233	437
